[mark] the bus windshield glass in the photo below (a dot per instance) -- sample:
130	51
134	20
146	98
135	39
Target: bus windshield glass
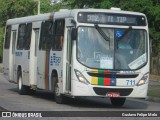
125	49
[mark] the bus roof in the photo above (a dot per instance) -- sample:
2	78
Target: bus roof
33	18
75	11
63	14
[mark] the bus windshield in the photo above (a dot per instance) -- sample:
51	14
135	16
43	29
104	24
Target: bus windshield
125	49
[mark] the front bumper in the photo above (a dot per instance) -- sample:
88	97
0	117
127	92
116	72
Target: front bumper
81	89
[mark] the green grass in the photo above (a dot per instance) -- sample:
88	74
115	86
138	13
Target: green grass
154	91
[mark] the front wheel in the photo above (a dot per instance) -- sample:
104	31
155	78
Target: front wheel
118	101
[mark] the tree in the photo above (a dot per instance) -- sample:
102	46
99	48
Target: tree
82	3
16	8
47	7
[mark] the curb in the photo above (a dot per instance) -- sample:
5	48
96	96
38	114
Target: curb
153	99
154	80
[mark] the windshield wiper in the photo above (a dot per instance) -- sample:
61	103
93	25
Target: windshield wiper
102	33
126	32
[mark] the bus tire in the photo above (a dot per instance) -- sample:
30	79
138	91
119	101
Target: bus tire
59	98
118	101
21	87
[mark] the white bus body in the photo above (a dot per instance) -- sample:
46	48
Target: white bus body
54	52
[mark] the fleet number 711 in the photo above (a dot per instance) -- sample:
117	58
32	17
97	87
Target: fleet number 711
130	82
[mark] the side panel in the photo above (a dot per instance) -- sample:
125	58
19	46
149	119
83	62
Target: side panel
6	63
33	53
25	67
41	63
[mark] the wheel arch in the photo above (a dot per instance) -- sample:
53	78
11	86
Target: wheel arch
54	75
19	71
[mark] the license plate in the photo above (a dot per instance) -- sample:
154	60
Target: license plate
112	94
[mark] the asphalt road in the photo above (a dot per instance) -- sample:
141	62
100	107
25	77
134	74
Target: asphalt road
10	100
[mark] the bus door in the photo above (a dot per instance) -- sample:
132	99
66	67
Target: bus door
68	60
12	68
6	52
69	26
43	58
33	57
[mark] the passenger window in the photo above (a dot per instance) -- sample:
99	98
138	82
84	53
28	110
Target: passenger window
57	43
46	35
7	37
27	42
21	36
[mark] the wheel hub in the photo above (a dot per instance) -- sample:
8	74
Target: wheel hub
20	83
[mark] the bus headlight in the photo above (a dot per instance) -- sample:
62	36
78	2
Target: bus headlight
143	79
80	77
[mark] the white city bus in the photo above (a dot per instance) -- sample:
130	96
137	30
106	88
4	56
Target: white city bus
80	52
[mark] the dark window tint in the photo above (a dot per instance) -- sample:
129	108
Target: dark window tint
21	36
46	35
57	43
27	41
7	37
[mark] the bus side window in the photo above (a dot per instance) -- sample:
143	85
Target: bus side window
40	42
27	42
21	36
59	35
7	37
46	35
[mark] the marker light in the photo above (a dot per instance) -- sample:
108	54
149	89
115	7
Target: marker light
80	77
143	79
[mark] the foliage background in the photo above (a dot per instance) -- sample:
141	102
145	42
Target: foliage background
19	8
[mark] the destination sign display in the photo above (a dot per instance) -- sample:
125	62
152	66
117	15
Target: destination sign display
111	19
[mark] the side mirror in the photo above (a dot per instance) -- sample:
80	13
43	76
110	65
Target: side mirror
74	34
